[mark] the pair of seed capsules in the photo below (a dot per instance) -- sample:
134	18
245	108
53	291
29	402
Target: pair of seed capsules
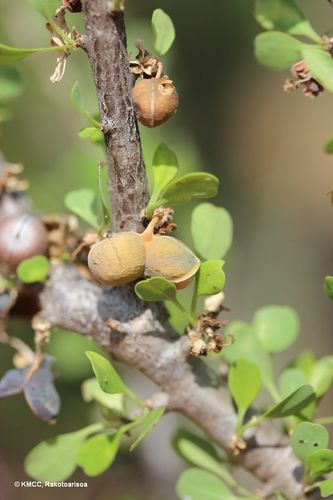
127	256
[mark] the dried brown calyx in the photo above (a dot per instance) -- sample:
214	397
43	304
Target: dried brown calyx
145	64
302	79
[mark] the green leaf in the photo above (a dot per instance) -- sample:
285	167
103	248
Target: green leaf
56	458
163	31
326	487
34	269
94	134
98	453
328	286
159	289
107	377
84	203
322	375
165	168
211	278
78	104
290	380
212	230
10	83
200	452
244	384
320	462
276	327
292	404
197	484
305	362
284	15
277	51
246	346
198	185
320	65
308	438
14	54
148	423
46	8
328	148
91	391
156	289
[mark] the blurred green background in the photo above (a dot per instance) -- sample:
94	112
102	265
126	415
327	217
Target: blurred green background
235	121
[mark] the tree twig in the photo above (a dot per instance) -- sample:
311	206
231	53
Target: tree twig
105	44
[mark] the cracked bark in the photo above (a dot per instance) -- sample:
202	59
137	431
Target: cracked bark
141	337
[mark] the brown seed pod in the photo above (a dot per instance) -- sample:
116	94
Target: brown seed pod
168	257
125	257
155	100
21	237
117	260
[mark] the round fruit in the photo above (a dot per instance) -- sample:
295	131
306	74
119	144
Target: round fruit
21	237
117	260
155	100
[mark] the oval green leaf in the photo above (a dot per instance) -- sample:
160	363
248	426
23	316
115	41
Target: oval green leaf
94	134
163	31
292	404
320	65
211	278
326	487
198	185
197	484
165	168
91	391
84	203
322	375
276	327
156	289
328	286
56	458
148	423
244	384
246	346
45	8
200	452
212	230
290	380
33	270
328	148
320	462
284	15
107	377
13	54
277	51
98	453
308	438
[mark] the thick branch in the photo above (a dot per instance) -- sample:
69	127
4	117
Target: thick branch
145	343
105	44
